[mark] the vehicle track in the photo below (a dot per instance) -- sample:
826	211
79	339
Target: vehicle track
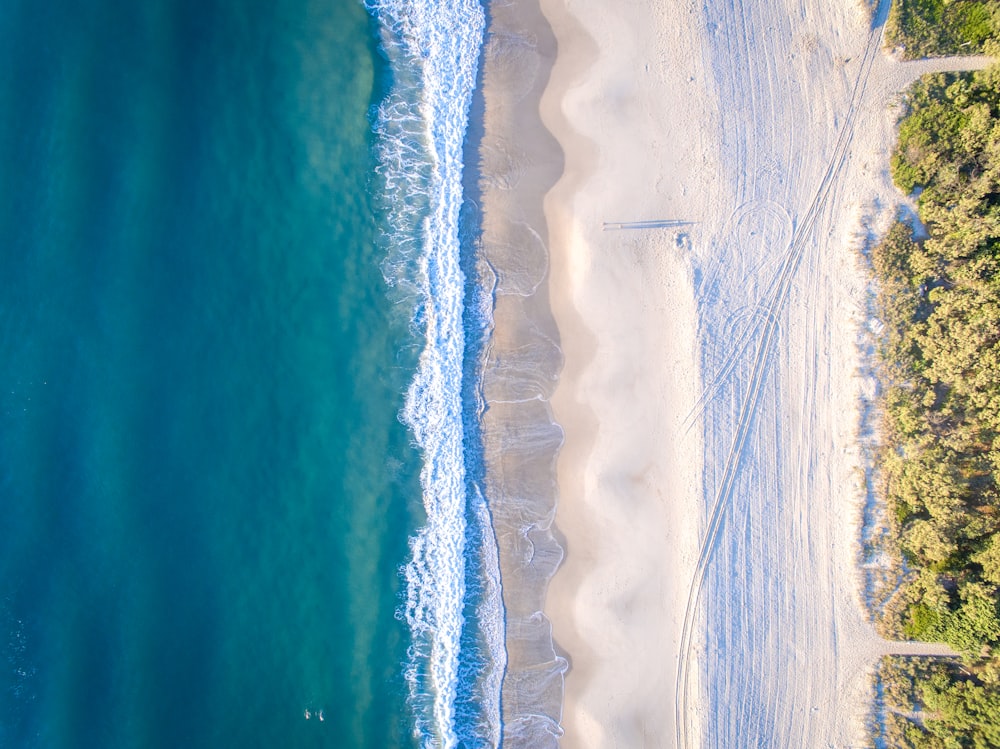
773	301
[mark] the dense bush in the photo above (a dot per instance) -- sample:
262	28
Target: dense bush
939	300
939	705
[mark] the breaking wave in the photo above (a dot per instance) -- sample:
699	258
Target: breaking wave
453	604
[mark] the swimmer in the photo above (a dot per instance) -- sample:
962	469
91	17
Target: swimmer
308	714
320	716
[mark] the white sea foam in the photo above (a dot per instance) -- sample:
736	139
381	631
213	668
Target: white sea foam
433	48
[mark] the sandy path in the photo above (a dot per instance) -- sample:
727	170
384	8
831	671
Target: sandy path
708	485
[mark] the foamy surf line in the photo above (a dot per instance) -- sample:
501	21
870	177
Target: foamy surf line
453	605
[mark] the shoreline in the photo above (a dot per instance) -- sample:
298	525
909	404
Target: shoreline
518	162
537	327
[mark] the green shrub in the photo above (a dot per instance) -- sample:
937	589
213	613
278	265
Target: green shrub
923	623
928	28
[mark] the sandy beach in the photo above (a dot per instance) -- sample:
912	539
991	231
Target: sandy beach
707	176
624	303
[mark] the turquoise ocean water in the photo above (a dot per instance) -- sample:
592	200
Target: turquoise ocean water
237	464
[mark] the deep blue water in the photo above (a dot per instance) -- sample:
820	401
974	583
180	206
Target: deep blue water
206	491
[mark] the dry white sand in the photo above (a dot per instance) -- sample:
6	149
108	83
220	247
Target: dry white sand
708	489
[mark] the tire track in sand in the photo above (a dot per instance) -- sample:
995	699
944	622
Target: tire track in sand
772	302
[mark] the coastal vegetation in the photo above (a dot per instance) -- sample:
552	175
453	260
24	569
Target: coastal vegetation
939	467
929	28
939	704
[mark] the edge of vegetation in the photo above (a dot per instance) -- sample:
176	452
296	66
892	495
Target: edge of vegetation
938	465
